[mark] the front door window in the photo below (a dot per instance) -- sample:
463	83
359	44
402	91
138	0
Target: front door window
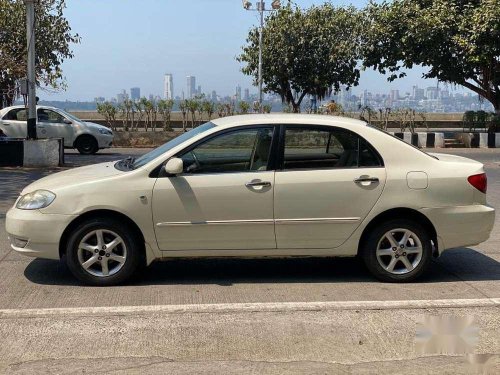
237	151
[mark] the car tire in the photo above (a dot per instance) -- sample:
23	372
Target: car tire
87	145
392	257
103	252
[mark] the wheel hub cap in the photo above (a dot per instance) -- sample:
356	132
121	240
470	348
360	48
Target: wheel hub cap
399	251
102	253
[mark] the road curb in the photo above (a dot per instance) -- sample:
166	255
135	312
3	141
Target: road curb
251	307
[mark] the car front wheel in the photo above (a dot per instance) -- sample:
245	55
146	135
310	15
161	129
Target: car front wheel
397	251
87	145
103	252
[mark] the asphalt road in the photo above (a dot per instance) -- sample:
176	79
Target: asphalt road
262	316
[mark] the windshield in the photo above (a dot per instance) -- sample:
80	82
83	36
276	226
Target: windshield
143	160
74	118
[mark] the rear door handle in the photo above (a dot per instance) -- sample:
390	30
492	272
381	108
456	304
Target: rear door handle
258	183
362	179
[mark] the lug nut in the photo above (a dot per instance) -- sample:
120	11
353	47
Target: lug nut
397	256
104	247
394	248
96	251
404	254
108	255
100	258
402	246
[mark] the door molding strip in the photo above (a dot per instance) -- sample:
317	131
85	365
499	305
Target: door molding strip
334	220
326	220
215	222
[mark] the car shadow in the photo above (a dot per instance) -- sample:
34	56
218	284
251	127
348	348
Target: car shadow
458	265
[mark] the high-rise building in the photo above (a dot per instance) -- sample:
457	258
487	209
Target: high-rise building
191	87
168	86
432	93
120	98
135	93
198	91
238	93
418	94
394	95
246	95
214	96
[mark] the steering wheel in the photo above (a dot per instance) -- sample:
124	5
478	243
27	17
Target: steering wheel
196	163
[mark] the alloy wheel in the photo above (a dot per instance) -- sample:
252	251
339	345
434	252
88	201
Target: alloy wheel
102	253
399	251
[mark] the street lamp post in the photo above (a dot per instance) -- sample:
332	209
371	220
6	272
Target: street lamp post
30	36
260	7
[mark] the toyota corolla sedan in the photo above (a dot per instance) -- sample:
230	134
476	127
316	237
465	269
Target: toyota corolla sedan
258	186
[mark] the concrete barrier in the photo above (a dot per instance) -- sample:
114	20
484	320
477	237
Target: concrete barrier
43	153
422	139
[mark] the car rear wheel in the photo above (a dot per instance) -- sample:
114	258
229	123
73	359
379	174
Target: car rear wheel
397	251
103	252
87	145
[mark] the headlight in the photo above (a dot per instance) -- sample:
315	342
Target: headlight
105	131
35	200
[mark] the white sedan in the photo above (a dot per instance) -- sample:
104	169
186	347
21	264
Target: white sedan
87	137
258	186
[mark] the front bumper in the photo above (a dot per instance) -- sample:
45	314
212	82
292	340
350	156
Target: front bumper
105	140
35	234
461	225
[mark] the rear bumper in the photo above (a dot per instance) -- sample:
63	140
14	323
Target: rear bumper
461	225
35	234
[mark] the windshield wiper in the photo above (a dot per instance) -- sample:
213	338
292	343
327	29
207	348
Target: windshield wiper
129	162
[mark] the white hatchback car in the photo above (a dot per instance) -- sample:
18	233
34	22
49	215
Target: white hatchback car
86	137
258	186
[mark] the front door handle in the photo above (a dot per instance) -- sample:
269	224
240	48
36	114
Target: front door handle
362	179
258	183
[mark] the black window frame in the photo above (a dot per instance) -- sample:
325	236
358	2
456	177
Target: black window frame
330	129
271	164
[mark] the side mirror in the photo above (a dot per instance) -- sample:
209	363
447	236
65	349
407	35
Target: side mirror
174	166
67	122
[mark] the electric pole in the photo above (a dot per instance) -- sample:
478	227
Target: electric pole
30	36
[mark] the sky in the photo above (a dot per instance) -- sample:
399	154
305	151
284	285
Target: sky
133	43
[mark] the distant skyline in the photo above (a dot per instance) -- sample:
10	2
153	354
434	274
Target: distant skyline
125	45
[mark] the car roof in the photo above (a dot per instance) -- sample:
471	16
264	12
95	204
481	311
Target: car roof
22	106
287	118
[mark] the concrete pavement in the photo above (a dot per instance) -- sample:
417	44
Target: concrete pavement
294	320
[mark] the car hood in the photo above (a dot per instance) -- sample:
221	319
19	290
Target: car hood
95	126
76	176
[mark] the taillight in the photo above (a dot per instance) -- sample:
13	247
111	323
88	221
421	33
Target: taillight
479	181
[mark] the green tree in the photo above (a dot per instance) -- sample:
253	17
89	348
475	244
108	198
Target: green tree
165	109
244	107
183	107
458	41
192	106
209	108
53	40
108	111
306	51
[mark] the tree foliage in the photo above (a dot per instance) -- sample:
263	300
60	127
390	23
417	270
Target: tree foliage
53	40
457	40
306	51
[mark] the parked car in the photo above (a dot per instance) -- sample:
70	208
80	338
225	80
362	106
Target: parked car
86	137
258	186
